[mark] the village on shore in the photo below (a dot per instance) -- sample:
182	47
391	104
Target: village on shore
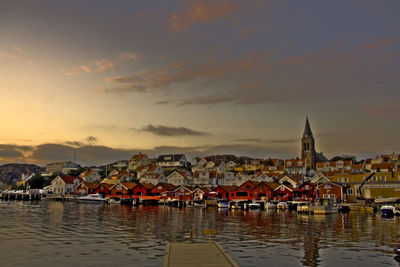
173	177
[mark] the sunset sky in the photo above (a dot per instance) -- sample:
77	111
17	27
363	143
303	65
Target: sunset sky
111	78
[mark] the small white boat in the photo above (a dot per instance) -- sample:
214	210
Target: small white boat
199	205
223	204
282	205
92	198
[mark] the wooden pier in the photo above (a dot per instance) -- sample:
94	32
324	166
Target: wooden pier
196	254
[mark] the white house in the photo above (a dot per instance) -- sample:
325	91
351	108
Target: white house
172	160
90	176
179	178
64	185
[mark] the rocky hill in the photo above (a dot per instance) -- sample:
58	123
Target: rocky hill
9	173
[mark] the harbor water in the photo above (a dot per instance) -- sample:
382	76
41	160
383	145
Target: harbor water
48	233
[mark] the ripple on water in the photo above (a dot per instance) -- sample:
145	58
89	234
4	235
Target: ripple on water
101	235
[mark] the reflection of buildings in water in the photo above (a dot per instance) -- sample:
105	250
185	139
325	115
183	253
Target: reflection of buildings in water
55	211
310	247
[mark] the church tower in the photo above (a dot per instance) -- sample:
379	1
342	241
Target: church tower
308	152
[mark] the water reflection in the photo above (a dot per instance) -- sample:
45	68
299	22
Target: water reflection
92	234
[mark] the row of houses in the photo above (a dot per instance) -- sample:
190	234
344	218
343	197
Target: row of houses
286	189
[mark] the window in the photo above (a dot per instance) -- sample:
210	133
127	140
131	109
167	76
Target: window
383	178
374	178
350	191
340	179
346	179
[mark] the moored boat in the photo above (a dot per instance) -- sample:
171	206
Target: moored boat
223	204
254	205
387	211
92	198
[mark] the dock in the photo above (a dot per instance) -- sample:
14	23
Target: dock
196	254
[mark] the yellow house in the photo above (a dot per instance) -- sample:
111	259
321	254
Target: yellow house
382	184
239	168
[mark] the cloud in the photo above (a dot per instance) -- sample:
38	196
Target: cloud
79	70
268	141
128	56
381	43
74	143
103	64
91	140
196	12
188	71
124	89
256	140
13	152
171	131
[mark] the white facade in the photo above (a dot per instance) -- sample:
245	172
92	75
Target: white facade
178	178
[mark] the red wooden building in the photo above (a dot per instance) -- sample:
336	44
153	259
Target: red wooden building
142	189
244	191
103	189
306	191
264	190
121	190
86	188
224	190
329	190
283	193
183	193
160	188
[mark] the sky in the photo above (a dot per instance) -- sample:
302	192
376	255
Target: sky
107	79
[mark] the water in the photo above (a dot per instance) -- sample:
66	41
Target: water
50	233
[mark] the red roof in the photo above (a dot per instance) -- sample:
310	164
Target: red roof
70	179
383	166
90	185
170	187
227	188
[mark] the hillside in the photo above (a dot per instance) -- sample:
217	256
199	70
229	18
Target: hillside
11	172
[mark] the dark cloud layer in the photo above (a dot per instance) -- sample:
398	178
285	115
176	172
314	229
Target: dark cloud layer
171	131
97	155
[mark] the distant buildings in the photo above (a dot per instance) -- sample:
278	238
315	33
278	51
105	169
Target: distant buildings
64	167
172	160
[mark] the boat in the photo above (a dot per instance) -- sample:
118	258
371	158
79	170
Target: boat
223	204
327	207
194	204
199	205
384	200
387	211
92	198
282	206
114	201
270	206
254	205
397	250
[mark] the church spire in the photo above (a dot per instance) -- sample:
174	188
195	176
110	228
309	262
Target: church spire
307	130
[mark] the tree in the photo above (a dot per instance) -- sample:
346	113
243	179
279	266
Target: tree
36	182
